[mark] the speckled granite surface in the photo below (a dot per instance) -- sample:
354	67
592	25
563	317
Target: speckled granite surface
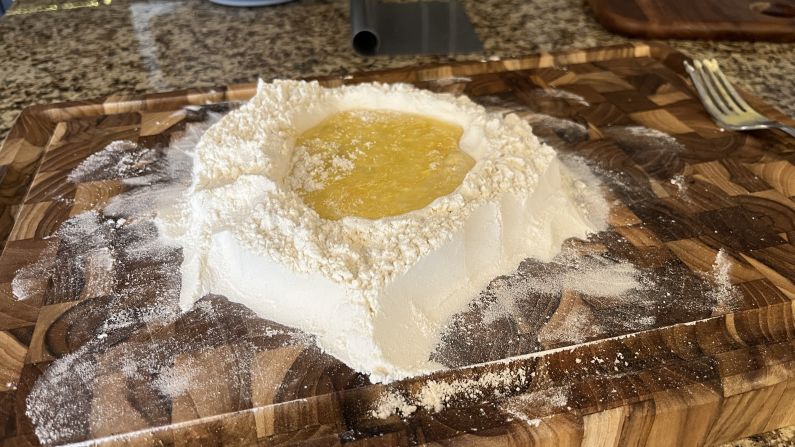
52	51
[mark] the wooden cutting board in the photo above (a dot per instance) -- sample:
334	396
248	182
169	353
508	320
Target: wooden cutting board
699	372
705	19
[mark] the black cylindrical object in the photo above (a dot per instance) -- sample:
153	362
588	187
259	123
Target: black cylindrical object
364	26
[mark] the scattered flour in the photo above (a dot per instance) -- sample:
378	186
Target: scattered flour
641	131
81	242
564	94
118	160
435	395
443	82
578	325
31	280
726	296
129	317
175	380
536	402
535	422
86	257
594	276
54	411
392	403
680	182
645	137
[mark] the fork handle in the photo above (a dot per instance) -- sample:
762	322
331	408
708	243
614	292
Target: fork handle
787	129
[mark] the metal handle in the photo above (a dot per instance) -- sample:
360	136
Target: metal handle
787	129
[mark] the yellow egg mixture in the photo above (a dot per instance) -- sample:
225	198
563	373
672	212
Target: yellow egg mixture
382	163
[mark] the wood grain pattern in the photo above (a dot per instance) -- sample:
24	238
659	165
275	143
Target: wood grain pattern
700	372
706	19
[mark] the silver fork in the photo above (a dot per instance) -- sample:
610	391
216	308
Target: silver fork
724	103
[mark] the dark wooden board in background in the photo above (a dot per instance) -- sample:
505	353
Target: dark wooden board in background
699	375
705	19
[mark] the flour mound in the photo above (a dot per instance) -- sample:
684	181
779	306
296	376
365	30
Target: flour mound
247	158
376	293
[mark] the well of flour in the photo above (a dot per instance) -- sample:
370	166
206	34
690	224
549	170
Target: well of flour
375	293
375	163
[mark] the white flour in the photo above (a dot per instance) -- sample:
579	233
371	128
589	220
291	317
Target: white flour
376	293
308	173
434	395
645	137
392	403
31	280
175	380
590	276
563	94
538	402
727	297
680	182
119	160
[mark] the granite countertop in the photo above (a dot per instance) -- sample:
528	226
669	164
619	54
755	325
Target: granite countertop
52	50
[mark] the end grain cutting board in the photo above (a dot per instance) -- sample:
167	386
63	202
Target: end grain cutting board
704	19
698	372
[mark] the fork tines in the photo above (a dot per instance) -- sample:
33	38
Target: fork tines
720	98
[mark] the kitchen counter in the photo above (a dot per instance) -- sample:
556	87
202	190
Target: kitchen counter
56	51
